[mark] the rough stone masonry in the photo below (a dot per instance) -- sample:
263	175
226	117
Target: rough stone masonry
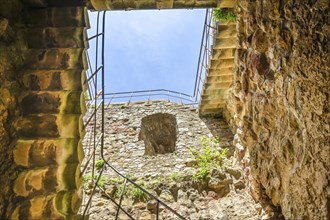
169	176
280	101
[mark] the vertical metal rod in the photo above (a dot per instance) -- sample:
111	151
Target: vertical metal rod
157	211
200	51
96	95
103	83
90	65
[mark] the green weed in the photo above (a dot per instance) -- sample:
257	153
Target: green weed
99	164
223	15
175	176
210	157
137	194
104	179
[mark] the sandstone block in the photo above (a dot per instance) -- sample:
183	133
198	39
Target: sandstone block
40	153
62	58
53	80
48	17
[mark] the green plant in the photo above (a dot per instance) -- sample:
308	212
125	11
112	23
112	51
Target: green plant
102	181
209	157
223	15
99	164
86	179
201	173
120	189
175	176
137	194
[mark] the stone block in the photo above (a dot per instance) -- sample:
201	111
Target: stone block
221	187
226	4
52	102
53	80
227	30
39	207
45	180
61	205
222	63
48	17
40	153
223	53
224	43
50	37
221	71
62	58
50	126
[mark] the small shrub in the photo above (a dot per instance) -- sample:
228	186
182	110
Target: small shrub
138	195
175	176
86	179
223	15
99	164
119	191
103	180
201	173
209	157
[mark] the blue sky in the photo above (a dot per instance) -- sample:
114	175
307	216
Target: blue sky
151	49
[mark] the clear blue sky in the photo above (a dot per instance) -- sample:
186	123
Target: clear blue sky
151	49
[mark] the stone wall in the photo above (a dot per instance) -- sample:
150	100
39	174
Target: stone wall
11	47
280	102
170	176
126	152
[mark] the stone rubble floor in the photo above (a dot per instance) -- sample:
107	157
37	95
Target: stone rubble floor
169	176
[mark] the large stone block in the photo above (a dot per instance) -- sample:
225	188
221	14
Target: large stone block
52	102
53	80
159	133
50	126
40	153
45	180
62	58
49	17
60	37
61	205
39	207
222	63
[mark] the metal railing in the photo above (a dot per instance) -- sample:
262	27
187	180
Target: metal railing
94	139
210	31
95	103
149	95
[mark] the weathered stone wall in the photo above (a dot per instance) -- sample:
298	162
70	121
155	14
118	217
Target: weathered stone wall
220	195
280	102
126	151
11	47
